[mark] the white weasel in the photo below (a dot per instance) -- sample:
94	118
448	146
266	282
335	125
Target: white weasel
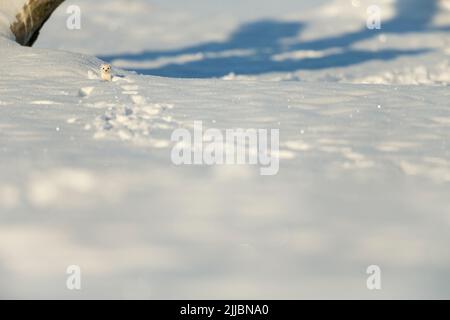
106	72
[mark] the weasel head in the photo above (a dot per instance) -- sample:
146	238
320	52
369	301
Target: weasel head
105	68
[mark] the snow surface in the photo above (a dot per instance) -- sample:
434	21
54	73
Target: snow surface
364	120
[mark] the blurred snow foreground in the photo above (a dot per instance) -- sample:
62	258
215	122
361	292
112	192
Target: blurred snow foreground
86	176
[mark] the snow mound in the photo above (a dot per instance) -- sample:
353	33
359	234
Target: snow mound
36	64
86	175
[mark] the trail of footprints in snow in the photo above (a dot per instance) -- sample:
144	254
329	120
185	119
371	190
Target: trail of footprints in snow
139	122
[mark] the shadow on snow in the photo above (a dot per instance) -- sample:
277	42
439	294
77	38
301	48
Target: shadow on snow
250	49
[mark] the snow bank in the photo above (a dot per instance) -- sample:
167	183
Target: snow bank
86	176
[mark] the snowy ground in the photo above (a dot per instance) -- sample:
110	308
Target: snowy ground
86	176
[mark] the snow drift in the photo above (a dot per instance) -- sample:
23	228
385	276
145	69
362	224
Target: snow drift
86	176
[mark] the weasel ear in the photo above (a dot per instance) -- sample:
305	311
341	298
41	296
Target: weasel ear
30	18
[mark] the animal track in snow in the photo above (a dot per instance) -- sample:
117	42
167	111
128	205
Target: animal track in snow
133	124
130	116
85	92
139	100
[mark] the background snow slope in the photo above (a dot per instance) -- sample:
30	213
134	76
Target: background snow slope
86	176
283	40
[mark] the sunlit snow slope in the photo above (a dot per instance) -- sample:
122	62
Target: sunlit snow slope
86	176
